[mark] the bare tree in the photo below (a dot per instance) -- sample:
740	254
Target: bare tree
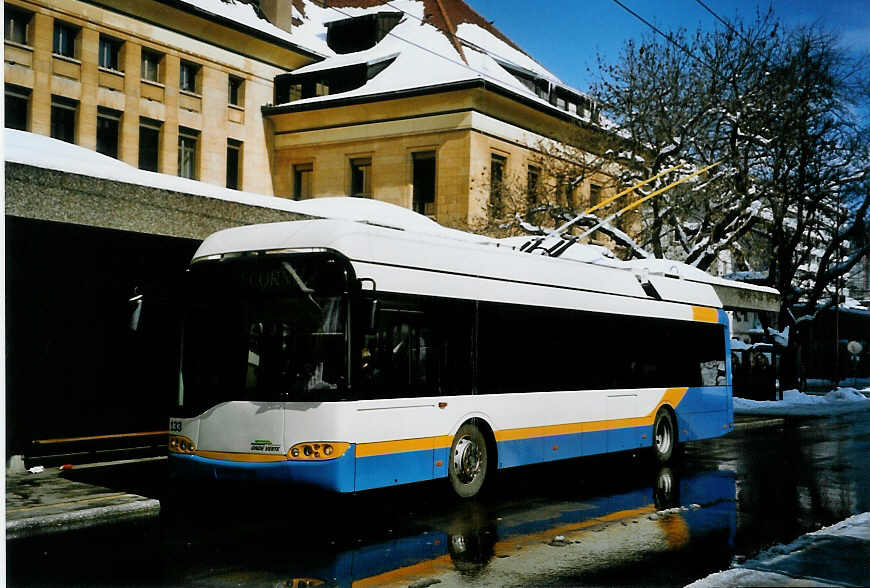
778	109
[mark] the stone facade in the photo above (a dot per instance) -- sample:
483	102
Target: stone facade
217	51
463	127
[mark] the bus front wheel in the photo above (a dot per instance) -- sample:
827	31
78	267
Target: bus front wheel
468	461
664	435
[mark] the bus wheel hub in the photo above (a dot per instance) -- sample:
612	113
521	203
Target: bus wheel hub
466	460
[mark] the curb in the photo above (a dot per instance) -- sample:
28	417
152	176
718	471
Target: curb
146	508
758	424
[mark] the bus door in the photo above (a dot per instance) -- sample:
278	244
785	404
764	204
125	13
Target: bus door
417	354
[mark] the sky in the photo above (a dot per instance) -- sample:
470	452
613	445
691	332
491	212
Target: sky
565	36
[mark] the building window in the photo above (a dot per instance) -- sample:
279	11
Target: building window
16	106
234	163
149	144
108	126
110	53
295	92
17	24
321	89
151	65
65	39
63	118
361	177
497	166
187	140
236	96
303	173
594	194
188	74
424	182
532	179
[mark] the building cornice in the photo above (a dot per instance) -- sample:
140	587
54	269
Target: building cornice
216	19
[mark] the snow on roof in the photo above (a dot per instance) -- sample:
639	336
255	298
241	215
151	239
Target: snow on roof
245	15
425	53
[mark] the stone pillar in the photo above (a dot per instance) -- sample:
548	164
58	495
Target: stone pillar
213	137
86	123
40	99
168	160
128	150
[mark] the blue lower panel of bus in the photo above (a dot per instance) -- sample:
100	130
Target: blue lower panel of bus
541	449
336	474
398	468
702	425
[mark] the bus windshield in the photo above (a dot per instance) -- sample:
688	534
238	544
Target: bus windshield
265	328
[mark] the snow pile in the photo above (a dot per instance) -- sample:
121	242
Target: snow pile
795	402
855	526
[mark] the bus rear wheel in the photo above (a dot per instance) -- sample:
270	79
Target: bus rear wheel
664	435
468	461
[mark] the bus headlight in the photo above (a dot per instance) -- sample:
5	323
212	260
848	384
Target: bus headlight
179	444
317	451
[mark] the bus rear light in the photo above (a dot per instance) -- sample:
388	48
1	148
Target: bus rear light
317	451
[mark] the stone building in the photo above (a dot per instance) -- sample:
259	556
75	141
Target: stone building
421	103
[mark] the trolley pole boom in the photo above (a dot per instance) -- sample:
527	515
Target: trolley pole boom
560	248
607	201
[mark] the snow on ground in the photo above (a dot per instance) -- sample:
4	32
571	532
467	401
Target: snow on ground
795	402
856	527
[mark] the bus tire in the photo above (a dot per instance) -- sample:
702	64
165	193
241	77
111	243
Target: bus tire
664	435
468	463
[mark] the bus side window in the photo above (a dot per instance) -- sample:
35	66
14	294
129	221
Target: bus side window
419	347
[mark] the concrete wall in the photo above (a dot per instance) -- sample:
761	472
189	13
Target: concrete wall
44	194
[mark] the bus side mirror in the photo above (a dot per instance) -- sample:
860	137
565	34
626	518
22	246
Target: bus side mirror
136	312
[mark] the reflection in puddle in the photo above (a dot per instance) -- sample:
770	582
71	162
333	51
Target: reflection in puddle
519	543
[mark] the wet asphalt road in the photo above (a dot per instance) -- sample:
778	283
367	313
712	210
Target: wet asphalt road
740	494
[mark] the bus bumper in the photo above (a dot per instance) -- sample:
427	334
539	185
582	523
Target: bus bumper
336	475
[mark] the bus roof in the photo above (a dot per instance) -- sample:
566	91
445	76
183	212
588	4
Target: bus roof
409	262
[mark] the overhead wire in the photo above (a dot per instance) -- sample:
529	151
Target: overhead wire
722	20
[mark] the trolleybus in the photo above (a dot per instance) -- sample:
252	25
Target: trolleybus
350	356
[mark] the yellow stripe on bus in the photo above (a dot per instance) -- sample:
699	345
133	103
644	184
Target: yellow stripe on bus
244	457
402	446
705	315
672	397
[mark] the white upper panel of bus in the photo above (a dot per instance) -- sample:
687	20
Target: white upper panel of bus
404	261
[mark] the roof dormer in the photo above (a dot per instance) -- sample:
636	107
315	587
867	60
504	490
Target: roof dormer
359	33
